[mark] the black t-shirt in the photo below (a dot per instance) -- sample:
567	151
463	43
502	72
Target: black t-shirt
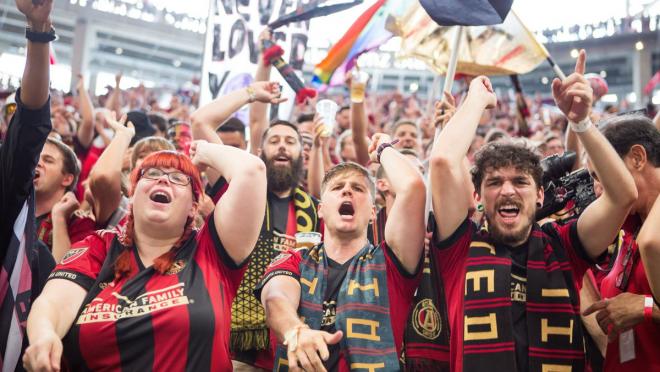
280	212
336	275
519	304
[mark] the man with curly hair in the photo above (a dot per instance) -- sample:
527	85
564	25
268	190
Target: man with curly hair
511	286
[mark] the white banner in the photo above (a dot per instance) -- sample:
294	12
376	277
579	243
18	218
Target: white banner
232	49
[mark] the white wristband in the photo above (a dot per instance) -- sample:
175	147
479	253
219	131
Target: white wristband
581	126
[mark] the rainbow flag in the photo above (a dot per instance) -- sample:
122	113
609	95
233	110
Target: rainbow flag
367	32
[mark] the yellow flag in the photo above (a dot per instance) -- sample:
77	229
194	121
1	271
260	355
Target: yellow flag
505	49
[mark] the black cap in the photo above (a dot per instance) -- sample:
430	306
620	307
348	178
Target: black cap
143	126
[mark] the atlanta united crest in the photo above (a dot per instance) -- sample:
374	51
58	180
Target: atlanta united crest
176	267
72	255
426	320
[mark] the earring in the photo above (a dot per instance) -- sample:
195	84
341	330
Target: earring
480	207
539	204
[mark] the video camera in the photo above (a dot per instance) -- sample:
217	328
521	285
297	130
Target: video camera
561	186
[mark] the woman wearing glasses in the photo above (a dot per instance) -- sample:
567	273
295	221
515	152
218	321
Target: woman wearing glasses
156	295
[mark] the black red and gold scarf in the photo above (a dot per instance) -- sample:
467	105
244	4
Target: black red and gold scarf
376	231
426	337
248	320
553	312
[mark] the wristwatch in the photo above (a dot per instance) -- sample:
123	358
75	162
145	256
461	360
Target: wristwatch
40	37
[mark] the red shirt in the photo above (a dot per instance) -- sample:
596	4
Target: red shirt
401	287
647	335
81	224
175	321
451	261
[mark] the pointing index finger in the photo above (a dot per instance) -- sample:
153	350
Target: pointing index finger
581	63
599	305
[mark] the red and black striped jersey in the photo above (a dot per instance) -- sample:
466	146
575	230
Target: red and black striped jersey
175	321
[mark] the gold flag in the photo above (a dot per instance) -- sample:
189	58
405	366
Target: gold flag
505	49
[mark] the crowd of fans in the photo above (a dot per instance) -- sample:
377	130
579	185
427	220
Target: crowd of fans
129	194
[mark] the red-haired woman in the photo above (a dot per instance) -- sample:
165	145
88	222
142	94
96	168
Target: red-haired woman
157	295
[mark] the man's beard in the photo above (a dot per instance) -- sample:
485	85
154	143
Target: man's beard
282	178
511	237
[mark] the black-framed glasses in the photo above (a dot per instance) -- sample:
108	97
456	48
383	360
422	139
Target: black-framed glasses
176	177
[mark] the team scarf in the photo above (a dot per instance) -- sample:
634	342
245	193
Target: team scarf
16	280
554	326
362	311
426	338
376	231
248	320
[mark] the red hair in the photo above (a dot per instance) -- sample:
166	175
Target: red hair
159	159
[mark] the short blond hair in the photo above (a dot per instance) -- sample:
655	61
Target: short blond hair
345	168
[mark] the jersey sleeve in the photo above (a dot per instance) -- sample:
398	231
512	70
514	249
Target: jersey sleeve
81	227
570	240
405	282
208	240
83	262
286	263
19	155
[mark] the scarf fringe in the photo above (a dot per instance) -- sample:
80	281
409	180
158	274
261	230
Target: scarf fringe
244	340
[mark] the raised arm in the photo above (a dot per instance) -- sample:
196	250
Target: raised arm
258	110
29	126
86	129
208	118
601	221
105	176
52	314
281	298
405	239
316	168
36	78
572	143
61	213
447	174
114	101
239	213
649	248
359	131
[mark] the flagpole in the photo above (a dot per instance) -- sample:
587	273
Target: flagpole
449	81
453	60
433	93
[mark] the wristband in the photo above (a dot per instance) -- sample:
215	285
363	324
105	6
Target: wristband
648	308
291	337
40	37
383	146
252	95
581	126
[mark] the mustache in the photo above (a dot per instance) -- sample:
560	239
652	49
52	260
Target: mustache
509	200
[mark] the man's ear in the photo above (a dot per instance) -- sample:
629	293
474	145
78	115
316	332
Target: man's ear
540	196
637	157
67	180
319	210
